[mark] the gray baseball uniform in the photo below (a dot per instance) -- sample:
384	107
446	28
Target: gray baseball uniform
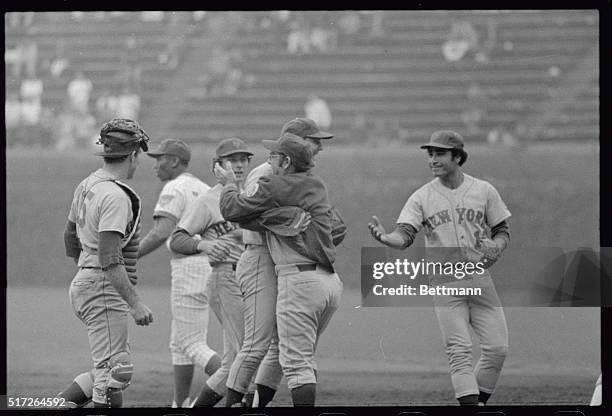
460	218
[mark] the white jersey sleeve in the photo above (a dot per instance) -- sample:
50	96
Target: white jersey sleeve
197	216
115	210
171	202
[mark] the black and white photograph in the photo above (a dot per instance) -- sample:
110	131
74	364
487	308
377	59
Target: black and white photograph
297	208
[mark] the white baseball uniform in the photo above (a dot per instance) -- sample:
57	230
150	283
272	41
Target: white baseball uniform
189	302
204	217
458	218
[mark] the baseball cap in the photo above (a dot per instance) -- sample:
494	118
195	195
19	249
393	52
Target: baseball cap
232	146
174	147
120	137
292	146
305	127
445	139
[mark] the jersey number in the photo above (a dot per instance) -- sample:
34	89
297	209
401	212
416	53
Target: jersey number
83	210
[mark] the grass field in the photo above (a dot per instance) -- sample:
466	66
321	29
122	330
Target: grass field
367	355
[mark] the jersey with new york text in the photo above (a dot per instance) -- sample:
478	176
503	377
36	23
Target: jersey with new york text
203	216
454	217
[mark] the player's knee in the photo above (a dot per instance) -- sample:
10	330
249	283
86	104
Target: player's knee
459	350
496	352
120	371
118	377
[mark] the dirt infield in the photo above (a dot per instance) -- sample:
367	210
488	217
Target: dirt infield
367	356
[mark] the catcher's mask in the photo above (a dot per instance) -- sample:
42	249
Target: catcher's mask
120	137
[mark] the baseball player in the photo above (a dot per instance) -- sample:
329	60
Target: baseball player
309	290
189	302
467	216
220	244
257	280
101	236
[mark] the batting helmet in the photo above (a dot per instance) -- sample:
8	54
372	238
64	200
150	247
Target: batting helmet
120	137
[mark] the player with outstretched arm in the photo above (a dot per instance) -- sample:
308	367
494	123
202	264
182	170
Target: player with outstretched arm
466	215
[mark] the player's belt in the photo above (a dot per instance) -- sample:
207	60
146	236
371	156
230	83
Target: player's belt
312	267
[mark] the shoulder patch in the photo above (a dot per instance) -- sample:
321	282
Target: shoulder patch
165	199
252	190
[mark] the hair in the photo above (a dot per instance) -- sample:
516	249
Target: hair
116	160
182	161
299	165
461	153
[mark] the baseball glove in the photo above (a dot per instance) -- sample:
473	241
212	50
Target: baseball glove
491	252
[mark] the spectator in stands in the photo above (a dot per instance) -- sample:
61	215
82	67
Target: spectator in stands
486	47
198	15
323	37
298	40
130	66
79	92
20	19
128	104
176	34
317	109
323	40
107	106
12	118
461	39
31	101
349	23
276	21
475	109
213	78
24	55
59	63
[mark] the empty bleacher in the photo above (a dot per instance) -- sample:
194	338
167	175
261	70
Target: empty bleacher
404	79
401	78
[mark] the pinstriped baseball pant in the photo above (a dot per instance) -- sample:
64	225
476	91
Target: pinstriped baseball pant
226	301
484	314
190	311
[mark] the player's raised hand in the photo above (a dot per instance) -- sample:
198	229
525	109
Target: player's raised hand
377	230
142	314
224	174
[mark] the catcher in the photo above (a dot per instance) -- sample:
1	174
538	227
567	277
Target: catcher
101	236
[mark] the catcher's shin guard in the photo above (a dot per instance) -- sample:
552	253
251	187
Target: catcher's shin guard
119	377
